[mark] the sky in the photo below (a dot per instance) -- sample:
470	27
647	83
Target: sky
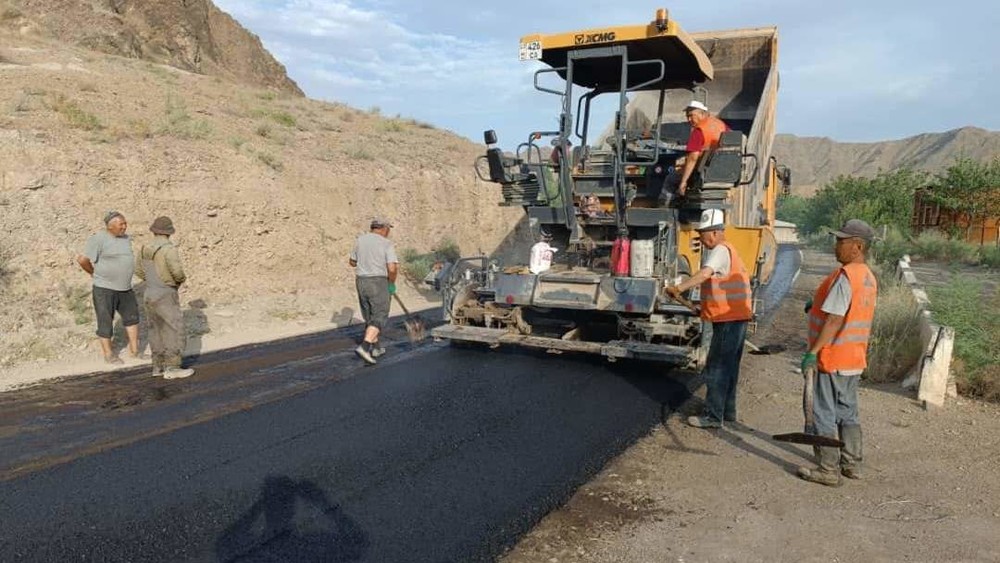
851	70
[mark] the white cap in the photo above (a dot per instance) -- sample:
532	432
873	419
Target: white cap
695	104
711	219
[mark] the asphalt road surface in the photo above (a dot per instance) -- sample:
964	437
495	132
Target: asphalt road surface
442	455
292	451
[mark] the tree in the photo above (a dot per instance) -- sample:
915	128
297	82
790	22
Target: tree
792	208
886	199
970	188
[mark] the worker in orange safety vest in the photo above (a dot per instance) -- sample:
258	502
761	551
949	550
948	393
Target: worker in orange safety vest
726	304
840	323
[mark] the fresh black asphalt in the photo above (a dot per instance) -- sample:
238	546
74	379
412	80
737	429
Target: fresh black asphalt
445	455
294	452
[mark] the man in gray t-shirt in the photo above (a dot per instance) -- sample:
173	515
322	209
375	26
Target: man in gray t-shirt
376	265
109	260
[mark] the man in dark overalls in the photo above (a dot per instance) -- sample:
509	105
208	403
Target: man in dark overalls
160	267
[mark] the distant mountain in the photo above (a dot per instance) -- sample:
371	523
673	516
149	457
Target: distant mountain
817	160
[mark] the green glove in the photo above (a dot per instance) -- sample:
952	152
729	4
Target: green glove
808	361
392	288
809	305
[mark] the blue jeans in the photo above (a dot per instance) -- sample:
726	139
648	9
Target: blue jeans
722	369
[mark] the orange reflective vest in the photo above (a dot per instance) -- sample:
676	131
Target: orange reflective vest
849	349
712	129
727	299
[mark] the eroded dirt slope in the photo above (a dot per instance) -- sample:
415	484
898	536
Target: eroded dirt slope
267	192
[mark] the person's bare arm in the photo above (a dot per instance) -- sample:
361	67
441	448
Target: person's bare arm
690	162
85	264
697	279
393	269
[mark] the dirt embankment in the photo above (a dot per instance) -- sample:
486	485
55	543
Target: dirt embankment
931	491
193	35
267	193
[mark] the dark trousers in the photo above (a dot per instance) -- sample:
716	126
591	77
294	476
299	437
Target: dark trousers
373	297
166	327
722	369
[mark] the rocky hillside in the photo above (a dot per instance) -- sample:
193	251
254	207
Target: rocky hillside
817	160
192	35
267	191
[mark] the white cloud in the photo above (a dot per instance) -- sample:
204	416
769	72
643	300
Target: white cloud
455	64
358	55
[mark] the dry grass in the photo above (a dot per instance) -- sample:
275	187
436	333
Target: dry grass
179	123
358	152
75	116
271	161
895	341
391	126
9	13
78	300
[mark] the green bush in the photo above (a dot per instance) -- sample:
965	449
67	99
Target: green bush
890	249
792	208
935	246
964	305
990	256
417	265
886	199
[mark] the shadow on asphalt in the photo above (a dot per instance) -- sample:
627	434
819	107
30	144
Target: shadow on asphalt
292	521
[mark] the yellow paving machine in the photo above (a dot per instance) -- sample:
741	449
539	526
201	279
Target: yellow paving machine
598	201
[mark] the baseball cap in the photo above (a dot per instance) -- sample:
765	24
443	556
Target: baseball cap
379	222
711	220
695	104
855	228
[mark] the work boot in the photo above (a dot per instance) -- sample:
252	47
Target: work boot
365	354
377	350
827	471
704	422
177	373
850	454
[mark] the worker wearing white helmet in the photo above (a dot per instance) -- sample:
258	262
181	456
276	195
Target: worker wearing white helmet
726	303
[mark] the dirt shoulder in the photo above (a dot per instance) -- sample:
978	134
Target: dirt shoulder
217	327
931	491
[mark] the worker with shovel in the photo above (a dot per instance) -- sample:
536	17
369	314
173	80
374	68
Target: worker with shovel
840	322
376	266
726	303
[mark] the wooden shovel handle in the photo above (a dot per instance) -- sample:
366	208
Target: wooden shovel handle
809	381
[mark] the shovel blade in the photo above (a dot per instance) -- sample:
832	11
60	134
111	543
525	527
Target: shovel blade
415	329
808	439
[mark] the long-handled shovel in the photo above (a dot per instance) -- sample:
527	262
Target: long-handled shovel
414	324
807	409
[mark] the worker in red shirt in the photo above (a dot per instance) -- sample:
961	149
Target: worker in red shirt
706	130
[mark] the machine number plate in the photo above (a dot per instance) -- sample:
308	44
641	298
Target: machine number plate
530	51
